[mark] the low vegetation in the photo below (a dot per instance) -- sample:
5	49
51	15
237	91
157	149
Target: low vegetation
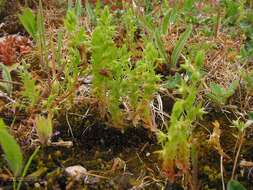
179	71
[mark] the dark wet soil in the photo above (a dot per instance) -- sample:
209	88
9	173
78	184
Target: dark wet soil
120	160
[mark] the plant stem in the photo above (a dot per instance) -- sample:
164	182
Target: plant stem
241	138
14	183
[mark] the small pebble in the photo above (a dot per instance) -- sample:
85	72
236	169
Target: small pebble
76	172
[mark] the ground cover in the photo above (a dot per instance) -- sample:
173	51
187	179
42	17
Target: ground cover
126	94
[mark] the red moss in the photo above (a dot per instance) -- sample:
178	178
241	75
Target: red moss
11	47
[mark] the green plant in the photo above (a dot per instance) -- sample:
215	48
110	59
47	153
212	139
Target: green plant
28	20
235	185
117	80
169	18
173	82
76	54
73	65
156	33
102	61
40	37
241	127
90	13
188	5
180	44
70	66
220	95
175	140
250	115
142	85
44	128
233	11
246	24
148	6
109	64
130	25
26	167
11	149
35	26
30	90
14	155
248	79
6	76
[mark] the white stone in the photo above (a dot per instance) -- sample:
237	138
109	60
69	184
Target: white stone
77	172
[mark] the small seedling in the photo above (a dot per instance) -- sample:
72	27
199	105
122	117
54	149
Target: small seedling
44	128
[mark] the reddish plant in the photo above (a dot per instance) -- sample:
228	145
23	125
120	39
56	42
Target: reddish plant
11	47
7	51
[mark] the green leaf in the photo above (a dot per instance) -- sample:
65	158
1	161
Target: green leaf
177	110
7	77
240	125
235	185
30	91
27	165
159	45
146	21
188	5
216	89
189	100
78	8
233	87
168	18
90	13
180	44
11	149
41	27
250	115
173	81
28	20
199	59
71	21
166	23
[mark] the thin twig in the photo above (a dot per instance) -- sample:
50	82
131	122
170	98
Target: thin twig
222	173
4	95
10	82
70	128
241	137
